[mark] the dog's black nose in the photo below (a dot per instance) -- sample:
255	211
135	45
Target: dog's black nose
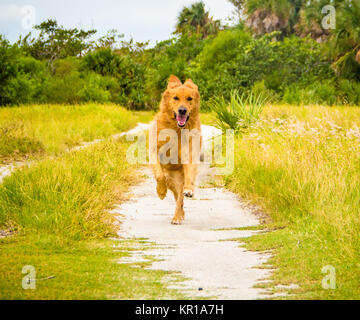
182	111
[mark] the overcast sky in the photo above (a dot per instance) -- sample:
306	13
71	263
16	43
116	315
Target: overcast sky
142	19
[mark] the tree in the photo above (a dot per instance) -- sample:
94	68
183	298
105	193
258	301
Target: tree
55	42
341	43
344	40
8	68
109	40
266	16
195	19
239	7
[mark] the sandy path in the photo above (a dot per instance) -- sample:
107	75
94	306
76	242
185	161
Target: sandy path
213	267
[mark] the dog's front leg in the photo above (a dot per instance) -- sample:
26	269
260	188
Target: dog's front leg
190	171
179	211
160	178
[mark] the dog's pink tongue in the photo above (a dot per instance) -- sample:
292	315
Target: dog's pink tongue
181	120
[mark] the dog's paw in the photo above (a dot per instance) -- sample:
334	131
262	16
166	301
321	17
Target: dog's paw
161	190
176	221
188	193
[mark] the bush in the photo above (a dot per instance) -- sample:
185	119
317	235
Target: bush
327	92
67	66
63	89
239	112
170	57
128	77
216	69
94	90
350	91
236	60
259	89
21	78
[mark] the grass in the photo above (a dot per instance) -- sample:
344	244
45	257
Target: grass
84	270
68	196
301	165
58	208
41	130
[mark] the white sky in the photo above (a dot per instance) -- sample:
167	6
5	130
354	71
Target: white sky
143	20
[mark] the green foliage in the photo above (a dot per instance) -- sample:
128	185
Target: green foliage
215	68
287	13
324	92
21	77
235	60
304	18
94	90
63	89
8	70
170	57
128	77
239	112
196	20
103	61
345	39
64	66
259	89
350	90
55	42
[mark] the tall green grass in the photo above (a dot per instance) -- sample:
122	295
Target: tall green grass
67	196
301	164
60	211
52	129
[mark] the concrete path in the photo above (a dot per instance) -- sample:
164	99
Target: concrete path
201	248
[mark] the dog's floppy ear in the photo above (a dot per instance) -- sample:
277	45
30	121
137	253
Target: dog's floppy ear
190	84
174	82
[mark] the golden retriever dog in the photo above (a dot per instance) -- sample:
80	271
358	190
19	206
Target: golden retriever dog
176	129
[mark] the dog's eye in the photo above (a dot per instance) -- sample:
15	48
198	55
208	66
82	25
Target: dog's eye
189	99
176	98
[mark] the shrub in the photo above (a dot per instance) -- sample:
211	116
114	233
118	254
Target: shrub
94	90
67	66
103	61
239	112
63	89
324	92
236	60
216	69
129	89
350	91
170	57
21	78
260	89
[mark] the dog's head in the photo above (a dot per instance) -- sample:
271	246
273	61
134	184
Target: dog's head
181	101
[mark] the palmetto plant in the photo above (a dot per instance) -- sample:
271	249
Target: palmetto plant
346	38
240	111
195	19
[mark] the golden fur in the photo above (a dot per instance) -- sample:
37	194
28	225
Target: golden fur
179	178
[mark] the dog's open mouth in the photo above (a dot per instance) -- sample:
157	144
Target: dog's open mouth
182	120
